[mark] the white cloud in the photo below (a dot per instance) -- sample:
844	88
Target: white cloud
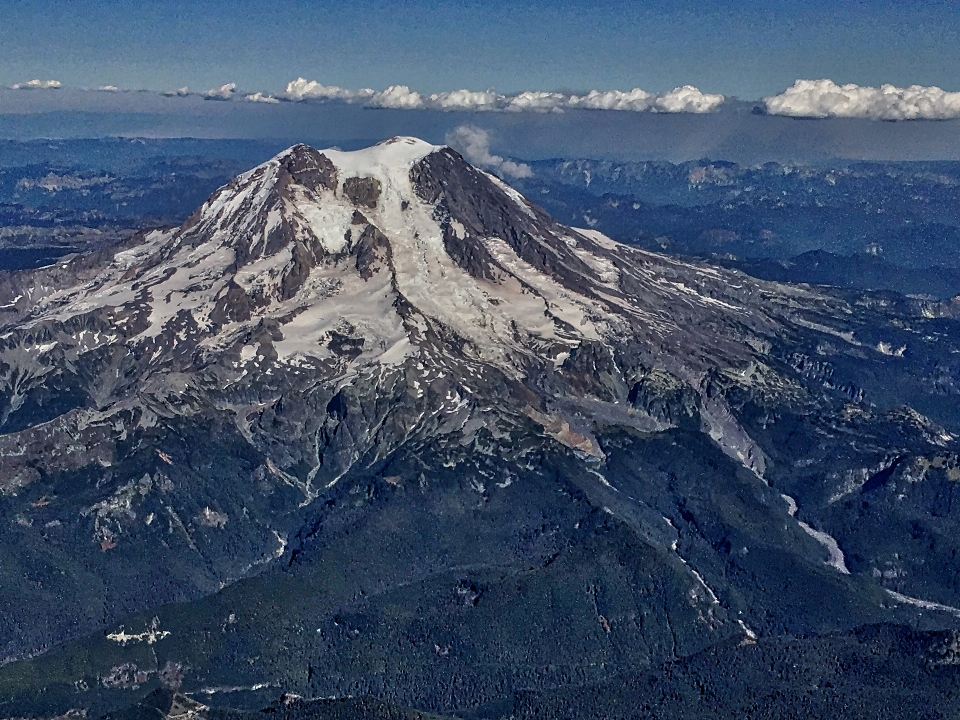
261	98
474	143
301	89
466	100
824	98
637	100
397	96
224	92
536	101
686	99
37	85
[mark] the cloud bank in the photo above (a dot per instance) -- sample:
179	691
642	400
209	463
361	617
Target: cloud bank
734	133
804	99
825	99
37	85
686	99
474	143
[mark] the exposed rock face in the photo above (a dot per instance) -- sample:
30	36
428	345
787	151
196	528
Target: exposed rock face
309	168
217	396
362	191
373	252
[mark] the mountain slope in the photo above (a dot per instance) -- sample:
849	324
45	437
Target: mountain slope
381	426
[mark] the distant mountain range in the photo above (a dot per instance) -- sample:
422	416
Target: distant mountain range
867	225
372	426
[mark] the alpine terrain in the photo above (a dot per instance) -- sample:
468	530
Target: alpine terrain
371	431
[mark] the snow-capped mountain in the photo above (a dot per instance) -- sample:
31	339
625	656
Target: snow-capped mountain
334	332
329	266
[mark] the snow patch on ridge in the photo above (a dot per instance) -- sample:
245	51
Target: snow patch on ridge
925	604
837	559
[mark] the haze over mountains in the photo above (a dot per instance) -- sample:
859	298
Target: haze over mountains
868	225
372	423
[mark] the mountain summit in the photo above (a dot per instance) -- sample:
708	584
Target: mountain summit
384	380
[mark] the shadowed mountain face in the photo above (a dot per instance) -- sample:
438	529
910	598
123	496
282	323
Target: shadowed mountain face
371	423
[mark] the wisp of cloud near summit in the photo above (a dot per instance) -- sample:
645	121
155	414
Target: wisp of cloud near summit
474	143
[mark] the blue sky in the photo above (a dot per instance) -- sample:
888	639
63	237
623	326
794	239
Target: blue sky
744	48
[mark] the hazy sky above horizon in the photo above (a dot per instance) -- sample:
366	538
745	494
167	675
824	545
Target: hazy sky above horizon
743	48
246	52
